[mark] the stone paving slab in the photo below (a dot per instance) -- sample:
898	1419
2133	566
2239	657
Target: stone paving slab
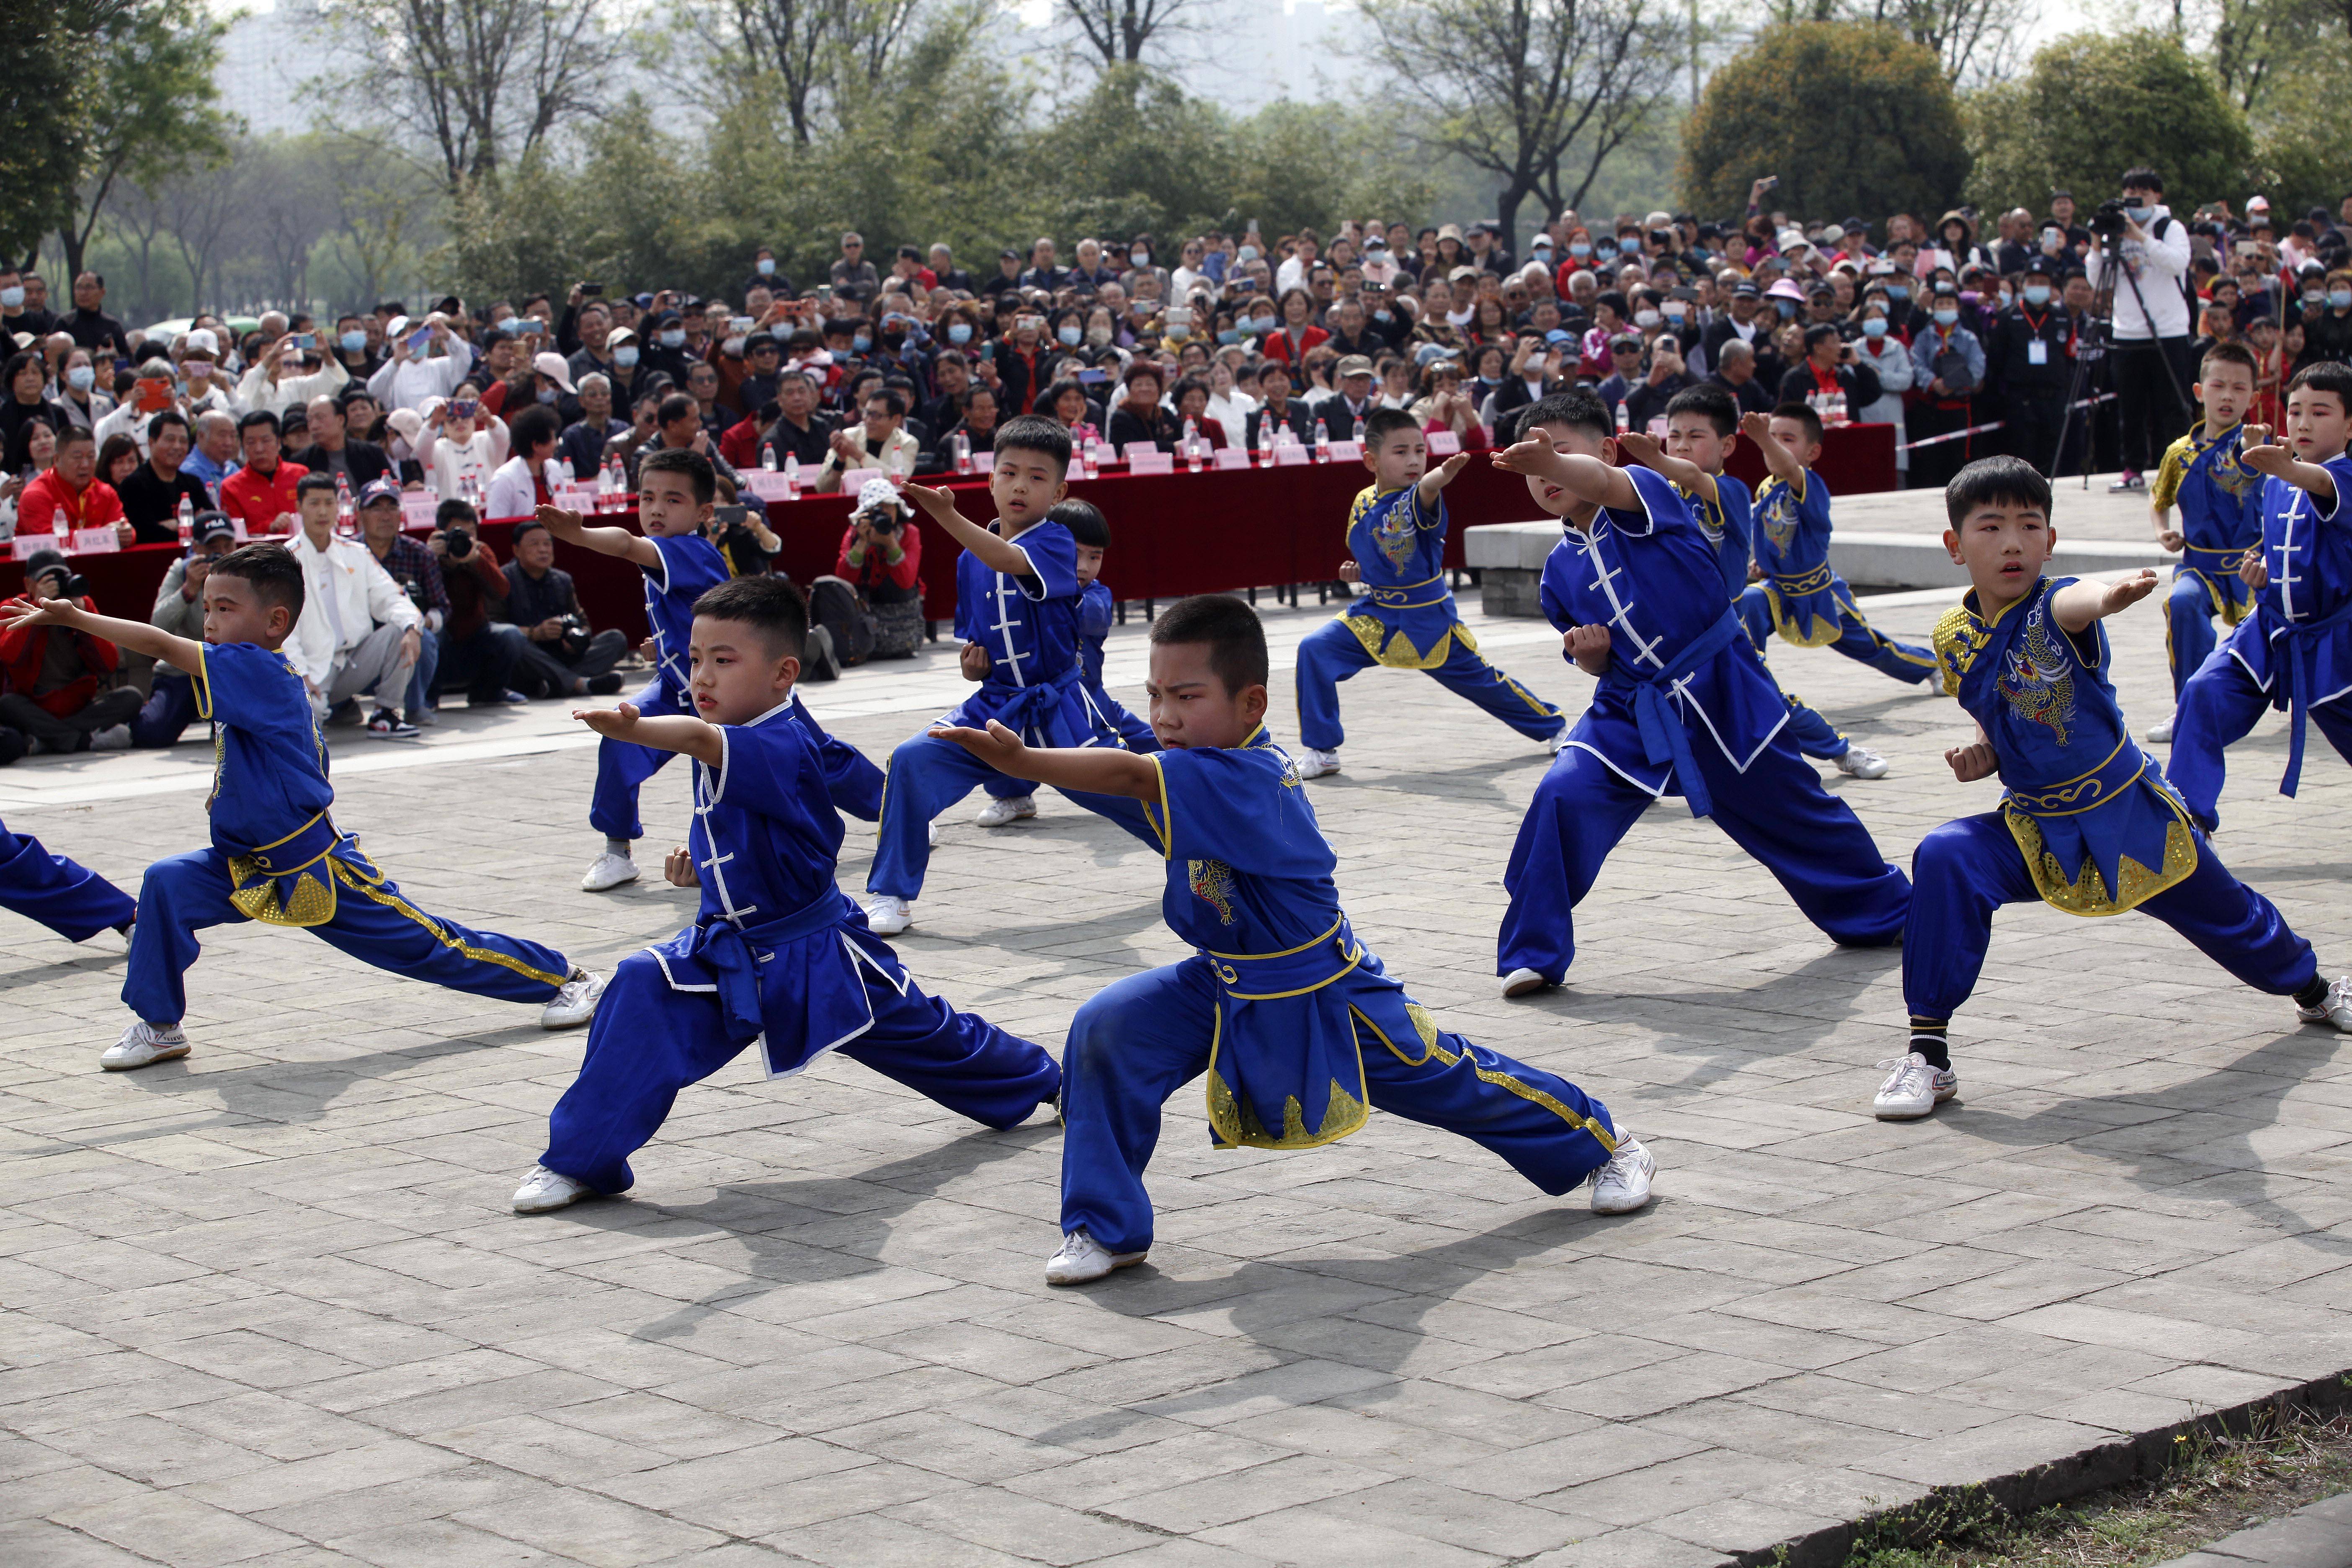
267	1306
2318	1536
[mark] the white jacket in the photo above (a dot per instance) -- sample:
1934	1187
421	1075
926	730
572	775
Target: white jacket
447	464
511	491
344	585
407	383
257	391
2159	263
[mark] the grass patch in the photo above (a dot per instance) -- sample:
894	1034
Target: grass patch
2215	1484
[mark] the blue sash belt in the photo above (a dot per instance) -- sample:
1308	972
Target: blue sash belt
284	857
1021	708
2297	673
2102	784
727	950
1397	598
1252	977
1664	737
1803	583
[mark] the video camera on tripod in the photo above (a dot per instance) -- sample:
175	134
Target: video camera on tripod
2108	220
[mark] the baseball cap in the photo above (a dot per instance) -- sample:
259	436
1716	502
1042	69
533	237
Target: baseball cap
1353	364
209	525
553	366
374	490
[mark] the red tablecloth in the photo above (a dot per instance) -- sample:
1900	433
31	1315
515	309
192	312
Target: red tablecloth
1171	534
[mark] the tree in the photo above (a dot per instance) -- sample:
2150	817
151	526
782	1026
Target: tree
1853	117
1121	30
811	52
483	81
2091	107
385	208
1538	94
1971	38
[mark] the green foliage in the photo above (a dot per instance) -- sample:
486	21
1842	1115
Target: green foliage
2092	106
1853	117
2303	129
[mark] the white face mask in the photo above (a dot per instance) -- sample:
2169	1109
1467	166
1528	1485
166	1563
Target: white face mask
1646	319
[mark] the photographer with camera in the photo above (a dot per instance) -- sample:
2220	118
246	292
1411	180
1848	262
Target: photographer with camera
2149	317
881	561
560	656
58	686
477	650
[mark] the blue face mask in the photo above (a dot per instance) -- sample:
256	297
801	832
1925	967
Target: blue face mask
1229	336
626	356
12	298
547	394
1947	317
2339	297
82	378
959	332
673	338
766	265
1071	336
1605	248
1787	309
1874	326
861	342
1899	291
1580	249
2037	294
353	342
2139	215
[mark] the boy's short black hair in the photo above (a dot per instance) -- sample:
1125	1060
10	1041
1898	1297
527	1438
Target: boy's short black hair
1235	636
769	605
700	476
1804	413
1084	521
1995	481
1578	410
2230	353
276	575
1382	423
1035	433
1711	402
311	484
2327	375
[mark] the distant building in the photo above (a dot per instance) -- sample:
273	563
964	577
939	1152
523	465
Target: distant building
268	59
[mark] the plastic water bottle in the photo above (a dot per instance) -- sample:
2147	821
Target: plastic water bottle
61	528
1322	445
187	523
960	444
346	522
616	482
768	458
791	475
1624	417
1265	444
1192	446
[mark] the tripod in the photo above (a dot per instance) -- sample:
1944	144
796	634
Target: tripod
2099	328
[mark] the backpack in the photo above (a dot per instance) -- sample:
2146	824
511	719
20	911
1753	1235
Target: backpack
840	629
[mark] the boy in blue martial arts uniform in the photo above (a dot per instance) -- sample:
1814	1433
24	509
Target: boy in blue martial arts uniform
2220	504
674	491
71	900
1800	597
776	956
2087	824
1405	617
1017	596
2295	652
1011	799
1638	596
1701	428
1299	1028
276	853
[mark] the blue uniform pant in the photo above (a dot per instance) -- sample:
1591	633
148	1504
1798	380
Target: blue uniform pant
1331	654
2188	635
854	783
927	776
648	1041
71	900
1966	869
2218	706
1814	734
183	894
1776	811
1857	638
1134	733
1140	1039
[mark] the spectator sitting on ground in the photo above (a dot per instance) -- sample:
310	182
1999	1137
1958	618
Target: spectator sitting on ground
358	634
152	496
417	572
882	442
881	559
560	656
71	495
57	686
477	651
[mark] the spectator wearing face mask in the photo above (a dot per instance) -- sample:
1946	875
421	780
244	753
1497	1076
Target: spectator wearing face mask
1947	367
2327	321
2028	369
1889	359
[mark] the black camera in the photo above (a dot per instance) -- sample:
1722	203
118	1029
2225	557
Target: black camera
459	543
2108	220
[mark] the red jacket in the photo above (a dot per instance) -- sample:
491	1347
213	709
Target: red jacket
24	650
873	571
257	501
46	495
739	444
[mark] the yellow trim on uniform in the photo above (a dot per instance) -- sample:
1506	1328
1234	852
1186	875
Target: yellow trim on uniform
353	877
1165	825
1235	1126
2062	789
1427	1027
1287	951
2087	894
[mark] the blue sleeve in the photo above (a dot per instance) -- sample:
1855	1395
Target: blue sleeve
763	770
248	687
691	566
1244	807
1662	505
1813	510
1424	517
1052	562
2339	468
1096	611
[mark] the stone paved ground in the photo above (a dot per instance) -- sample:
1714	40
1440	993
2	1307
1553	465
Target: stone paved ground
267	1306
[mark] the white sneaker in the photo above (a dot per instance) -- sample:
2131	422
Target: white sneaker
1623	1185
609	872
575	1003
543	1191
887	914
1861	763
2160	733
144	1044
1523	982
1556	744
1082	1258
932	832
999	813
1912	1088
114	738
1316	764
2334	1008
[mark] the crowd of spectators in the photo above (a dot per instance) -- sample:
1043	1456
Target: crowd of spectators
1966	327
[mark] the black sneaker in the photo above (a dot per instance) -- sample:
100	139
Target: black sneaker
604	685
390	726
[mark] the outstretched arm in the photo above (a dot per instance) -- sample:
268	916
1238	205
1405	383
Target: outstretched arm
1781	462
634	548
1589	479
1097	770
139	636
2265	456
995	551
1438	478
1684	474
2078	604
678	732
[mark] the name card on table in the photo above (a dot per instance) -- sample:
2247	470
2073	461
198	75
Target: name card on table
983	462
100	541
1101	452
25	545
1230	458
1346	451
1135	449
417	508
768	484
1290	455
853	479
1145	458
1443	442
